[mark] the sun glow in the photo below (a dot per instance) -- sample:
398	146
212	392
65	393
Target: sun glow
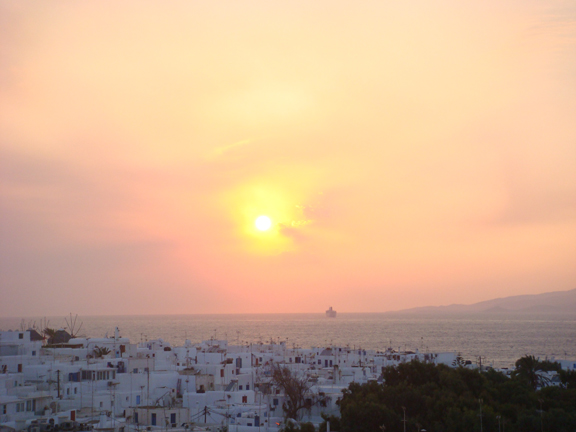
263	223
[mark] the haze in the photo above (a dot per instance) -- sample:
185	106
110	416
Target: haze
407	153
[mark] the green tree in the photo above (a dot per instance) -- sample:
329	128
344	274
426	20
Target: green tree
444	399
530	370
49	334
100	352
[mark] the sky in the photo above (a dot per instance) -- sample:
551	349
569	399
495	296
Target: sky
407	154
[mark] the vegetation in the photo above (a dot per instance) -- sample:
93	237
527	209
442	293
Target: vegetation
295	388
49	334
443	399
100	352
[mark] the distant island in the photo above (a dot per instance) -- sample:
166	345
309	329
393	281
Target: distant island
556	302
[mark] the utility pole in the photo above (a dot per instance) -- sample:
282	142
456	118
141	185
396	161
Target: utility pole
480	401
404	421
541	416
58	383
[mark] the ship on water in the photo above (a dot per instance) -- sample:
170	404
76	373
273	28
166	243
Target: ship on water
331	313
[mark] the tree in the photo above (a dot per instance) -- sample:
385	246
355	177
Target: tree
100	352
49	334
334	423
296	390
459	361
441	398
530	369
568	378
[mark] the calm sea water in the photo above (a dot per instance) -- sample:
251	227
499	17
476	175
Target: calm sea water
499	339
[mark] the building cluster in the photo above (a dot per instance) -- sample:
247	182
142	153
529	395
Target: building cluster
110	384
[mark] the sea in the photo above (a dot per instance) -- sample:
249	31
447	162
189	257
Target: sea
494	339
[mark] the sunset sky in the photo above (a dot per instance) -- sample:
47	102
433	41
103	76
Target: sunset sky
408	153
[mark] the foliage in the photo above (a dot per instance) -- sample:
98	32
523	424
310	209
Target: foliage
100	352
296	391
568	378
444	399
49	334
530	369
334	423
459	361
304	427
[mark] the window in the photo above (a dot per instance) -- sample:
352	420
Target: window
21	336
222	373
247	386
240	388
173	418
75	390
33	353
101	404
244	399
153	420
137	399
275	402
4	409
135	417
20	367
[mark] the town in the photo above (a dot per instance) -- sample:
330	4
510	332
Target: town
51	380
109	384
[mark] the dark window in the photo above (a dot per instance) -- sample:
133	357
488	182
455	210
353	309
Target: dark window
135	417
21	336
173	419
153	419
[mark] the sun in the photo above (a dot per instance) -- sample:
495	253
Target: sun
263	223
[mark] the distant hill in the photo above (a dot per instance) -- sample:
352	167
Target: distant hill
561	302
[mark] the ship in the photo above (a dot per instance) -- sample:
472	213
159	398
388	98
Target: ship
331	313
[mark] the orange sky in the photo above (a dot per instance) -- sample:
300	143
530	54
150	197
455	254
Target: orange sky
408	153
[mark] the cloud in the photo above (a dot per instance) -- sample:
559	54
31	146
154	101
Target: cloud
219	151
